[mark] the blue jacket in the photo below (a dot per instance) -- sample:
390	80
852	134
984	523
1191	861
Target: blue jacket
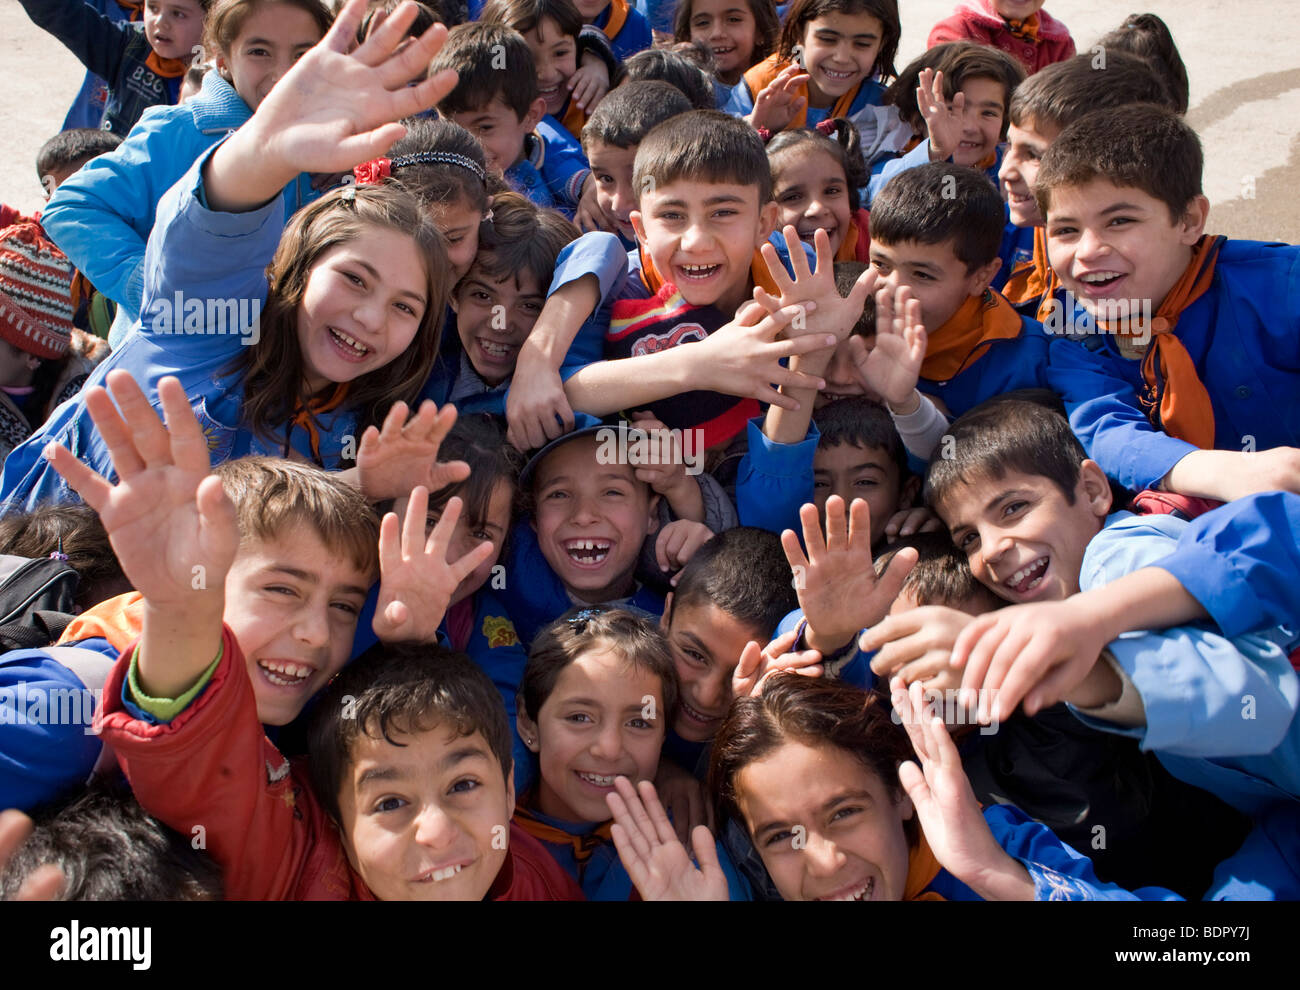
209	259
635	35
101	217
1243	335
553	168
1019	362
87	108
775	479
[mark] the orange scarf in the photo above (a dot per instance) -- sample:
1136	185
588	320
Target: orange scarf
574	118
168	68
969	332
617	18
922	868
306	414
856	245
759	76
119	620
758	274
1034	279
583	845
1175	398
1026	30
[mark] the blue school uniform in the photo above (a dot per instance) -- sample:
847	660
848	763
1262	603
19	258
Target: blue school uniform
634	36
660	14
1016	249
1016	362
87	108
775	479
553	168
920	155
1243	335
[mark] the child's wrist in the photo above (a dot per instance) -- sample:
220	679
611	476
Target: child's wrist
907	406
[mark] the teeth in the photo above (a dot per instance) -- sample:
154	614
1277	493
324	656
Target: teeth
1099	276
598	779
858	895
445	874
494	348
356	345
837	75
1025	573
284	673
695	714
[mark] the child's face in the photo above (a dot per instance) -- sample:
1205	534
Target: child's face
494	317
273	38
842	377
173	28
292	604
812	194
936	276
591	520
981	126
469	533
839	52
500	131
1022	537
706	643
728	28
17	367
868	473
612	169
426	815
458	222
556	55
824	825
702	237
1017	10
1116	248
590	9
1026	146
362	306
594	727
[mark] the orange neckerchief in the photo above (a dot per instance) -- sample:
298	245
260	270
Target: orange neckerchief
760	75
1034	279
306	414
617	18
961	341
758	274
1175	398
119	620
922	868
1026	30
168	68
856	245
583	845
573	118
986	163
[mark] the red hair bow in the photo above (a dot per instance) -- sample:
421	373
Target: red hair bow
371	172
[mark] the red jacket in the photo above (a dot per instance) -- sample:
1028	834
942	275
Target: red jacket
976	20
212	768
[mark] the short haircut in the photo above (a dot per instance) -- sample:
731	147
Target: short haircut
72	148
441	183
704	146
857	421
744	572
847	274
843	144
629	113
801	12
1058	94
1148	37
525	15
687	65
1005	435
937	203
767	26
110	849
964	60
522	237
405	688
1140	146
492	61
222	26
942	574
272	495
637	640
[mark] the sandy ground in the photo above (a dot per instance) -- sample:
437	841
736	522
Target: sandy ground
1245	97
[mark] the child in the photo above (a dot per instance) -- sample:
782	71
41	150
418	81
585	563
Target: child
1177	410
845	59
1020	27
64	155
102	217
342	339
496	99
686	66
1148	37
142	63
738	33
610	139
597	695
816	175
87	110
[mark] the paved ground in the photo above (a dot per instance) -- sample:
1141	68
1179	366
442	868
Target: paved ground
1241	58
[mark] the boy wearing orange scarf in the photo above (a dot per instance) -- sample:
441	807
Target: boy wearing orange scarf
1188	378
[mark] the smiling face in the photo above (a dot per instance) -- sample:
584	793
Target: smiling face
469	533
422	814
824	825
868	473
981	129
812	194
839	52
362	306
1113	245
494	317
727	27
611	167
500	130
173	28
1026	146
1023	538
702	237
556	55
936	276
292	604
706	644
591	520
593	728
272	39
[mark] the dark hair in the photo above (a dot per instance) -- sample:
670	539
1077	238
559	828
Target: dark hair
521	237
525	15
111	849
73	147
767	26
859	422
844	147
801	12
963	60
902	91
72	528
847	274
704	146
687	66
1140	146
942	575
401	688
492	60
1148	37
480	442
814	711
441	183
1058	94
940	202
1004	435
425	17
638	641
221	27
628	113
745	573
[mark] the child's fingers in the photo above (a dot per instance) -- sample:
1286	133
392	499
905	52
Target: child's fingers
1017	650
467	564
655	810
860	527
914	784
342	34
798	260
742	678
391	428
884	311
706	850
812	527
761	296
794	554
390	542
977	662
94	490
189	447
148	435
784	283
440	536
862	288
890	584
638	821
114	432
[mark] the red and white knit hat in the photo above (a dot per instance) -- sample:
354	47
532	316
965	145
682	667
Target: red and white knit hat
35	292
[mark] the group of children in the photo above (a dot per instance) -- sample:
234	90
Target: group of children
535	465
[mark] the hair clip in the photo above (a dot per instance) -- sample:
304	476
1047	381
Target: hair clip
349	194
372	172
579	621
59	554
440	158
826	126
